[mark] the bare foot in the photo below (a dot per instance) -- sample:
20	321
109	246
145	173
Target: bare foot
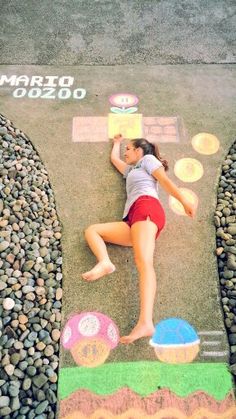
99	270
140	331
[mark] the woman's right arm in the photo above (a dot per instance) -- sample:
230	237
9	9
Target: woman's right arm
115	154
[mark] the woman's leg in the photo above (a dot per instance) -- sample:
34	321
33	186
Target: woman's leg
96	236
143	235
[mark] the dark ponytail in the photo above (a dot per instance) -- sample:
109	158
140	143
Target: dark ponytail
149	148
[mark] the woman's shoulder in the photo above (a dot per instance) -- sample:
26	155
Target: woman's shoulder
150	163
150	158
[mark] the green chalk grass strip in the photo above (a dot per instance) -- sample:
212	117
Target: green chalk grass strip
146	377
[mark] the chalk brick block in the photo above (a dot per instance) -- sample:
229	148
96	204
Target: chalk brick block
160	129
155	129
90	129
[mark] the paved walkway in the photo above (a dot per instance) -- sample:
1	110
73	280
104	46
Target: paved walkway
173	103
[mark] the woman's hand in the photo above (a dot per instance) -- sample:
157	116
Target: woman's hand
189	208
173	190
117	138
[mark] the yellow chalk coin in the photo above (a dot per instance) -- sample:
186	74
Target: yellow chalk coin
177	207
188	170
205	143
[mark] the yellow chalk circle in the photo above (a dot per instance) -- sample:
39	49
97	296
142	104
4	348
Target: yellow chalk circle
205	143
177	207
188	170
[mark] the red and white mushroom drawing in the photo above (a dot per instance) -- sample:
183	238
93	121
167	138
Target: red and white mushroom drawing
90	336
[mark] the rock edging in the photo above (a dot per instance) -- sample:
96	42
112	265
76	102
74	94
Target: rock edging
225	223
30	281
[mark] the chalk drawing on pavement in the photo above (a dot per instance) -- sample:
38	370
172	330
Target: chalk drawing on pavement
211	344
123	103
130	126
90	336
175	341
122	119
188	169
42	87
89	129
205	143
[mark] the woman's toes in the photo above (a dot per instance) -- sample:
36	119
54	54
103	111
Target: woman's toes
99	270
139	331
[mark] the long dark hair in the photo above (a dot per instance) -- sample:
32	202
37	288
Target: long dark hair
149	148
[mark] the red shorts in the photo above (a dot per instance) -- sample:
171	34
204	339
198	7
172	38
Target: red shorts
147	206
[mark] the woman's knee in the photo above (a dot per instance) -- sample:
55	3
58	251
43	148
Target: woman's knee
90	229
143	262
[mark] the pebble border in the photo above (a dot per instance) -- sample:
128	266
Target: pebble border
30	281
225	223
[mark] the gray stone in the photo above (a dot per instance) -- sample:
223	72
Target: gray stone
230	242
28	305
230	249
230	219
232	302
18	373
5	411
228	274
43	334
26	384
37	327
228	322
4	401
9	369
15	404
232	230
32	336
15	358
2	382
3	285
226	212
27	288
28	343
51	396
232	338
231	263
31	371
4	245
28	265
40	395
41	407
229	284
40	380
233	369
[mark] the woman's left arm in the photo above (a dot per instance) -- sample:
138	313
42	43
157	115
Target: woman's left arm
172	189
